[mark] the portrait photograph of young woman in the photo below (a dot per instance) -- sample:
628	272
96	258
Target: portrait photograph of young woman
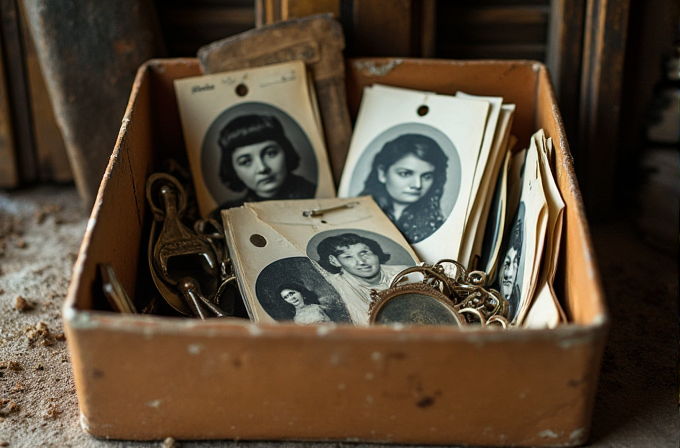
255	152
413	172
292	289
511	267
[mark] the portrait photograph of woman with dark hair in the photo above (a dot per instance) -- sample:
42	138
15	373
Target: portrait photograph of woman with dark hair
303	305
253	135
292	289
407	179
415	153
257	158
511	268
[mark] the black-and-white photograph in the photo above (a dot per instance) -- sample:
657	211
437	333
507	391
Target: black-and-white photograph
356	262
511	271
253	135
353	247
254	152
292	289
415	153
412	171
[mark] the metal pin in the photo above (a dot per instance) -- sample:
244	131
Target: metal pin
320	211
115	293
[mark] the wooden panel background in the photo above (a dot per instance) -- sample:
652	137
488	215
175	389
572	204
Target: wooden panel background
600	103
9	174
583	43
52	163
15	79
189	24
493	29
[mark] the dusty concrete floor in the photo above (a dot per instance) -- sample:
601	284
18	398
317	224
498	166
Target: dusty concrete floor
40	232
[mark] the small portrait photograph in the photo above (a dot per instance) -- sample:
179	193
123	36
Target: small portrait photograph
254	152
511	269
355	262
292	289
413	172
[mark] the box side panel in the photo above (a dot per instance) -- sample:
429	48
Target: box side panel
150	133
515	81
578	281
578	278
109	239
246	382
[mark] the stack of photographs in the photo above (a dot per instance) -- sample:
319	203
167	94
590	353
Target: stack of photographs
429	161
526	262
442	169
427	177
543	309
253	135
314	261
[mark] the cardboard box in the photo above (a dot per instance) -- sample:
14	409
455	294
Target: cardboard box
149	377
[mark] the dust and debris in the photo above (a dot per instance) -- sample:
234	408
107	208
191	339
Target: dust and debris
9	225
41	334
8	407
169	442
22	304
548	433
11	365
370	68
18	387
195	349
51	250
10	233
578	434
52	412
44	211
51	298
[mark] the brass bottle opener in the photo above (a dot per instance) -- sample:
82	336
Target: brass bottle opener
182	262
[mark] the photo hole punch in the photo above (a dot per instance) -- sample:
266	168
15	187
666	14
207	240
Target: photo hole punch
242	90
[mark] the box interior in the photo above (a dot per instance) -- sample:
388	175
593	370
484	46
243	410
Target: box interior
148	377
156	126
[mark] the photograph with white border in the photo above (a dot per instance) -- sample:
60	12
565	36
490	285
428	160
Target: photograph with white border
415	153
267	239
252	135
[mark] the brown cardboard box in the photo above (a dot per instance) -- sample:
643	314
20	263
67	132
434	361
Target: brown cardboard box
150	377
